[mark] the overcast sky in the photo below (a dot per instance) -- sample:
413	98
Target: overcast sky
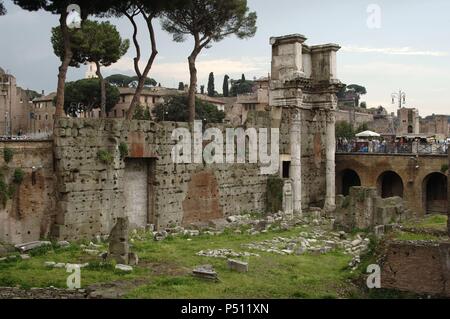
410	50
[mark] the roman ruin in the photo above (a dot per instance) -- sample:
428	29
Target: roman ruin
89	193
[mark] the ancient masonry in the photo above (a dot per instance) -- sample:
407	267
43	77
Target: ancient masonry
304	85
106	168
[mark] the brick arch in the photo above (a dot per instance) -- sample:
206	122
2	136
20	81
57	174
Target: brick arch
435	193
390	184
345	179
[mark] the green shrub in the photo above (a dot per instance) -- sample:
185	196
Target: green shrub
18	176
8	154
444	168
123	150
105	156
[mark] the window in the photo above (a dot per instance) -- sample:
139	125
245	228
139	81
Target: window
115	113
123	98
46	117
286	169
123	113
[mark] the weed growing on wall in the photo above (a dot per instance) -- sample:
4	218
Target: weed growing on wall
105	157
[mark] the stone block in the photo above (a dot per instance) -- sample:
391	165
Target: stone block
237	265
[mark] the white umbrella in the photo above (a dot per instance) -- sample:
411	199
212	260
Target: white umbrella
368	134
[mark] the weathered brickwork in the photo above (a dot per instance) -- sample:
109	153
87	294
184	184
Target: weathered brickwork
30	213
414	179
419	267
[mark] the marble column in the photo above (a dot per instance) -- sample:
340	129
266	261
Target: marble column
330	199
296	160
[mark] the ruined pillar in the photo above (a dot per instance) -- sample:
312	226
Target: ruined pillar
296	159
330	198
287	198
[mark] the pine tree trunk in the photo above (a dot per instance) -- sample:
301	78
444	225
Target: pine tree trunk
102	91
142	77
192	87
68	54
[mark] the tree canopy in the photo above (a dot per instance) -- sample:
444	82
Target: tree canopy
211	86
226	86
122	80
346	130
148	10
241	86
95	42
86	94
60	7
361	90
2	8
208	21
174	110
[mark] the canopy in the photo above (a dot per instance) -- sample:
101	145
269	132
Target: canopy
368	134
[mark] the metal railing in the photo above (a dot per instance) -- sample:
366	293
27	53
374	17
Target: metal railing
392	148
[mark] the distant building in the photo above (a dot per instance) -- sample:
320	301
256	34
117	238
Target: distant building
257	101
42	115
14	106
435	124
348	99
43	109
408	121
91	72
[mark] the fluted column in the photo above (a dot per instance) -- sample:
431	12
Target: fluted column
330	199
296	160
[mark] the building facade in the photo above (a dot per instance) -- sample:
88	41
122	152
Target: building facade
14	106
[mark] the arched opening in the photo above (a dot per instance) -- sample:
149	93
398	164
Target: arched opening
349	179
435	193
390	184
410	129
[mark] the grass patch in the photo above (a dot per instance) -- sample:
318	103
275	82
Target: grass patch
414	236
430	222
165	269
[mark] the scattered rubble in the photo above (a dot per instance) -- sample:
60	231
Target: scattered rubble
124	268
32	245
63	244
318	241
224	253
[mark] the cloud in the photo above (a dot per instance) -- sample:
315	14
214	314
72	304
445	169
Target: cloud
179	71
393	51
393	70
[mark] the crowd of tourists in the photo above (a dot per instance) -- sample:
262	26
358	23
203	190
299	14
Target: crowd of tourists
398	145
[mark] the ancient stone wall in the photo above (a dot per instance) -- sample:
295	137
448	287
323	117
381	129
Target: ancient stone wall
29	213
365	209
91	193
354	118
418	267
